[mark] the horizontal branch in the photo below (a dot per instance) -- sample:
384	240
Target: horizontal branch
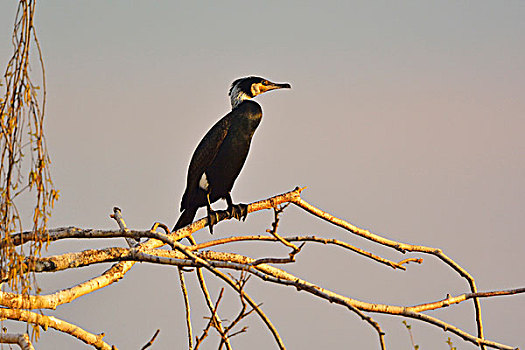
214	260
22	340
329	241
276	275
59	325
449	300
90	234
75	232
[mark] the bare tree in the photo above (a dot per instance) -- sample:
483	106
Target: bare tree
22	111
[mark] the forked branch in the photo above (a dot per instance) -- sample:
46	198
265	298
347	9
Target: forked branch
192	255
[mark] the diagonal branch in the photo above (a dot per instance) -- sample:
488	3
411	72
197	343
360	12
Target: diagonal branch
201	262
215	319
150	343
59	325
275	275
449	300
186	256
402	247
217	323
241	282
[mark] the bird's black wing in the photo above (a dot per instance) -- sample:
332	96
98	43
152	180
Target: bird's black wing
204	155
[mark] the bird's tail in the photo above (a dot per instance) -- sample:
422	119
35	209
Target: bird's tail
185	218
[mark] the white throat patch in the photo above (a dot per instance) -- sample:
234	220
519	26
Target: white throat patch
237	96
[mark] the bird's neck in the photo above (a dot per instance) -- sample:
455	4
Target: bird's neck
237	96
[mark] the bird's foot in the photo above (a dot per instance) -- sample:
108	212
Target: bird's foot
213	218
238	211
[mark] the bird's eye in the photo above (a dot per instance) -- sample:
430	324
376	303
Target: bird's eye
266	82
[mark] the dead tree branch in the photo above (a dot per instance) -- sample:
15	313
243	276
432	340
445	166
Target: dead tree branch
215	319
187	307
22	340
192	255
55	323
151	341
401	247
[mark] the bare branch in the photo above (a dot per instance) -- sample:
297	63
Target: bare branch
288	260
201	262
239	262
272	274
78	233
300	239
22	340
199	340
277	211
333	297
150	343
216	321
402	247
409	329
182	255
449	300
187	306
117	215
241	282
268	203
74	232
59	325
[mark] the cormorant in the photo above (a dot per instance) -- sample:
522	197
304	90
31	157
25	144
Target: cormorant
220	156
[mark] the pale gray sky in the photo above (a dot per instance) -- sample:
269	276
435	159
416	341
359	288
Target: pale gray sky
405	118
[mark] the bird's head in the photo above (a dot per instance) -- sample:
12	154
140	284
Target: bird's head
249	87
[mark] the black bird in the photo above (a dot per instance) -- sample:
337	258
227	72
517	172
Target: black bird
221	154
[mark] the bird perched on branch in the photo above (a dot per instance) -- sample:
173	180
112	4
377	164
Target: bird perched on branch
220	156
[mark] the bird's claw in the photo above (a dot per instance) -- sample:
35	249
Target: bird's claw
213	218
238	211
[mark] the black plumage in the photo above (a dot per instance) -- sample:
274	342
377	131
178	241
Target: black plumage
220	156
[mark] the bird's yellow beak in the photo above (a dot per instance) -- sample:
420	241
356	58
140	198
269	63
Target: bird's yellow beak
260	88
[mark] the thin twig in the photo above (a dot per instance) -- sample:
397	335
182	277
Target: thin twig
300	239
449	300
409	330
241	282
243	330
288	260
277	211
117	216
199	340
187	306
217	323
201	262
212	322
409	260
150	343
